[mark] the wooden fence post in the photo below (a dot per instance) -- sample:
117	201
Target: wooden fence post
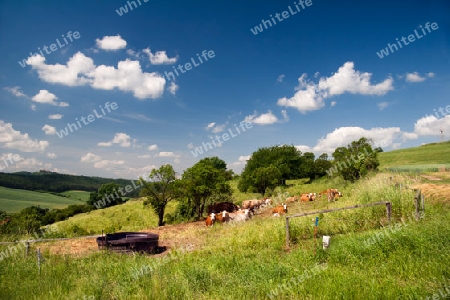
388	210
27	248
416	204
39	260
423	203
288	235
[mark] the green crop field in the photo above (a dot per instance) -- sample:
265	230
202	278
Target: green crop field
13	200
77	195
426	158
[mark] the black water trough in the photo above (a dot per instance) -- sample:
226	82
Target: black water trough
129	242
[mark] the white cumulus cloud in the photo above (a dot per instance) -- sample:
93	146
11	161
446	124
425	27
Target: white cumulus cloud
111	43
13	139
49	130
80	70
46	97
262	119
310	96
122	139
55	117
160	57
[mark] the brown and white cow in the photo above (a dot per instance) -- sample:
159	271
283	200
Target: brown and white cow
223	217
292	199
210	220
279	210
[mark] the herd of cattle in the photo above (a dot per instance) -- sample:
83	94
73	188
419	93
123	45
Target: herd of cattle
224	212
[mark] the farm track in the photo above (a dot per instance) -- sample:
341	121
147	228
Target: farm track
170	236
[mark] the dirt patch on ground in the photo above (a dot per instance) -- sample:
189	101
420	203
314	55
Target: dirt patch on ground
182	236
76	247
431	177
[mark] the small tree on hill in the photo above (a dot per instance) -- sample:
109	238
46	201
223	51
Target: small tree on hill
160	188
207	178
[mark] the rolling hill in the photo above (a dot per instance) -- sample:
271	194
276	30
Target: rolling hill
14	200
429	157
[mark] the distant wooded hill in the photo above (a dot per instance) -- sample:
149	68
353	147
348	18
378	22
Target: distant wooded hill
55	182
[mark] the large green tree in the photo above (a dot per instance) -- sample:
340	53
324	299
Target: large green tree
307	165
160	188
355	160
205	181
286	159
321	165
266	177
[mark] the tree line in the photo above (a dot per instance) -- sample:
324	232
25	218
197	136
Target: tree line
45	181
208	182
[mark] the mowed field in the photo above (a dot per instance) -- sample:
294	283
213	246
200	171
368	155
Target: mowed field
14	200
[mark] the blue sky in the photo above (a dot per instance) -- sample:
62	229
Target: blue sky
313	79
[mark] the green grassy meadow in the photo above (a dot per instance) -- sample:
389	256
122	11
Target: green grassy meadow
429	157
368	257
14	200
82	196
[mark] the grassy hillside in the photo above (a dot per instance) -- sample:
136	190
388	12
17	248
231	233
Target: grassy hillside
77	195
130	216
13	200
426	157
367	259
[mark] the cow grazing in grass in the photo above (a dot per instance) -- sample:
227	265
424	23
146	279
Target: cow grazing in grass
210	220
223	217
221	206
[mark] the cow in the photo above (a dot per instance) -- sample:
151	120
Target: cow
252	204
223	217
305	197
221	206
240	215
210	220
330	196
280	209
292	199
268	201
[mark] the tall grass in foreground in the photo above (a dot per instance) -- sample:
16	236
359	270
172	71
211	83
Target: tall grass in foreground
248	262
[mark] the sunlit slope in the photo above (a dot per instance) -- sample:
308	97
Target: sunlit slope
426	157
